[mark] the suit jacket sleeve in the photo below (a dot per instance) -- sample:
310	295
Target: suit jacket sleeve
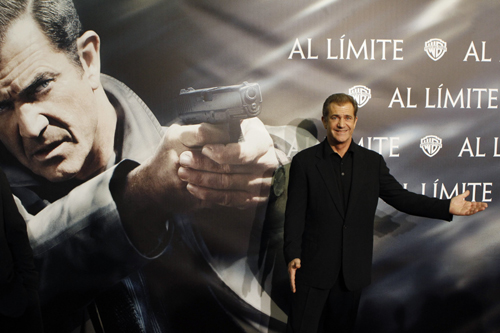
408	202
80	246
296	208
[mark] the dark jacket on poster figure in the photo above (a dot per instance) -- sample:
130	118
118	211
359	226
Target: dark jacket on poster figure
330	239
19	305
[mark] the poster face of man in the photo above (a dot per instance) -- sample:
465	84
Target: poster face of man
49	116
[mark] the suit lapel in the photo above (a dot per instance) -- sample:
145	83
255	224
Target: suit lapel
326	172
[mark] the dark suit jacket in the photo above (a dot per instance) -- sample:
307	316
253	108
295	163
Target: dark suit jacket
18	277
324	236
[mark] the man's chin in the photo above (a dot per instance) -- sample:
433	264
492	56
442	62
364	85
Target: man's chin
342	139
57	175
58	178
56	169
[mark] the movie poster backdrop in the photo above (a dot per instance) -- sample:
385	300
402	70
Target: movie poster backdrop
426	76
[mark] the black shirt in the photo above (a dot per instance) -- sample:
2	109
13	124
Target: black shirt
342	169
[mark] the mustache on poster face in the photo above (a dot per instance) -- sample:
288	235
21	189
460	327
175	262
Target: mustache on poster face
51	138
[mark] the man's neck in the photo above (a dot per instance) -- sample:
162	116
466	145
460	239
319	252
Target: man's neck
340	148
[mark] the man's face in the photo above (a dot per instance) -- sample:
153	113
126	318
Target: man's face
48	113
340	123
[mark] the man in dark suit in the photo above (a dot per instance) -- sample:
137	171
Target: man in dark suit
332	198
19	304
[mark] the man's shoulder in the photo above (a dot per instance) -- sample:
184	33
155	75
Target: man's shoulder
309	152
365	151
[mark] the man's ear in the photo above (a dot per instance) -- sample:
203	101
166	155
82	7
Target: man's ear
89	45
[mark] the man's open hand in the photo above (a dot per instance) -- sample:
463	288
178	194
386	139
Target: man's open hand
459	206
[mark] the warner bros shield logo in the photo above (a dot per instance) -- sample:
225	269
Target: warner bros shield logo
361	94
431	145
435	48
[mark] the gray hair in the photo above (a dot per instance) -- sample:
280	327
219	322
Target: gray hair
57	19
340	99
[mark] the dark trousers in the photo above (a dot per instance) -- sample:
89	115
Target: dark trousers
323	310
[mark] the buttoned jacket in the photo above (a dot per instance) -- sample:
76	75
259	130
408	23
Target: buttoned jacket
330	239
